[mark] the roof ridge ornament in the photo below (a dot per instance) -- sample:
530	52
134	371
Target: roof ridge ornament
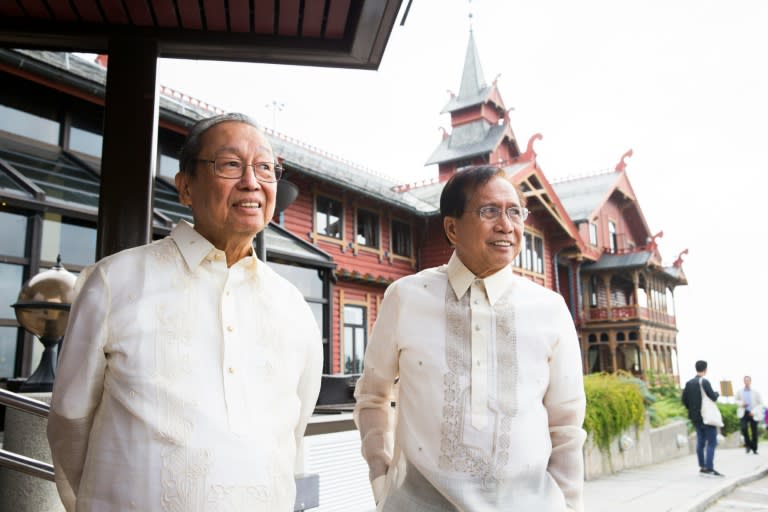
622	165
679	261
530	153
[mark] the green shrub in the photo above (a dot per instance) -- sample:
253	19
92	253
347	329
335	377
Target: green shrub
614	403
667	409
730	421
662	385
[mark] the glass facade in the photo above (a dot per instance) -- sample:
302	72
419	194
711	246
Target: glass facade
75	243
29	125
14	229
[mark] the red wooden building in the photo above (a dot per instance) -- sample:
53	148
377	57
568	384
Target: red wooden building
349	232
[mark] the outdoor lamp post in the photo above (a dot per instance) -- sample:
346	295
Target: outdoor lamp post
43	309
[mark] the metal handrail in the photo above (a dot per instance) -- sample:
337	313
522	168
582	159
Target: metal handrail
26	465
328	423
24	403
16	461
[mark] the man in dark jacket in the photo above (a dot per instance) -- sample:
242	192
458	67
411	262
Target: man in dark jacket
706	435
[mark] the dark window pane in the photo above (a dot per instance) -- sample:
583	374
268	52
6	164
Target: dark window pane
8	183
76	244
14	234
317	310
367	228
8	337
401	238
355	338
57	175
10	286
328	217
307	280
166	201
29	125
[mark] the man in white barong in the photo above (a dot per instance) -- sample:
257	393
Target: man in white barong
190	368
484	367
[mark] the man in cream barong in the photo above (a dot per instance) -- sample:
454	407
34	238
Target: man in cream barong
489	395
189	368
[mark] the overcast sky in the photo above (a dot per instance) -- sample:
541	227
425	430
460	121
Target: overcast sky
683	83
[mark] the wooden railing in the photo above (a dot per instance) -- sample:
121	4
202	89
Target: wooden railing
632	312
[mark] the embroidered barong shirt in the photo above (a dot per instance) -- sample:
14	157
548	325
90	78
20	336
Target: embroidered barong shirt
489	395
183	385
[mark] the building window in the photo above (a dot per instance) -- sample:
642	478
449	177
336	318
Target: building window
367	229
29	125
75	243
401	239
531	257
354	338
612	240
593	291
328	217
593	233
14	229
85	141
311	282
168	166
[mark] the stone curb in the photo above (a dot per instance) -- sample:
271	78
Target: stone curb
703	503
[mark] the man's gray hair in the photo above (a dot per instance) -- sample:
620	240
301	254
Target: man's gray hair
190	150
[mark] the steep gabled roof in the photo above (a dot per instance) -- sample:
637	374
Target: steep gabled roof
473	89
582	196
468	140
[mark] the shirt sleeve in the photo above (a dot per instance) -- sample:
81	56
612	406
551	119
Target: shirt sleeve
565	403
374	391
711	393
78	386
309	383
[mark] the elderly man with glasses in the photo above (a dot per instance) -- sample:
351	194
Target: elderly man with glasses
179	386
484	367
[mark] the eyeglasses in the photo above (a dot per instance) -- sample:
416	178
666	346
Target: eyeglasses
514	213
234	169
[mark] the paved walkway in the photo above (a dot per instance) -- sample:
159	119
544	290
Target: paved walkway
674	485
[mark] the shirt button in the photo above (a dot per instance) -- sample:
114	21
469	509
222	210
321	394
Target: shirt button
231	369
477	327
230	328
132	393
226	293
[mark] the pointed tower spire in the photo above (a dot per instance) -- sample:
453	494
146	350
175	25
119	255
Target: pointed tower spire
472	78
480	127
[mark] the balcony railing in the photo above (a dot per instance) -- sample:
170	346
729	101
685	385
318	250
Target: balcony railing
631	312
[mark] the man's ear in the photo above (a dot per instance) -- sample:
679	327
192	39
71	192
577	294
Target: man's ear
182	185
449	225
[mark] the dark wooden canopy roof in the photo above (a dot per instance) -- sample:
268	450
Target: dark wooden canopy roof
135	33
338	33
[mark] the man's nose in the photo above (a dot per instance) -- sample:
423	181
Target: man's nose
505	223
248	179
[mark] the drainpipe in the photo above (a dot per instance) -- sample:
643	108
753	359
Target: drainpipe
555	262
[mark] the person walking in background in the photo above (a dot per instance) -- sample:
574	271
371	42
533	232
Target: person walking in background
750	406
706	435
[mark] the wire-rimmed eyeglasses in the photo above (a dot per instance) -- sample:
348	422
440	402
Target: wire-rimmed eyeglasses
514	213
234	169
